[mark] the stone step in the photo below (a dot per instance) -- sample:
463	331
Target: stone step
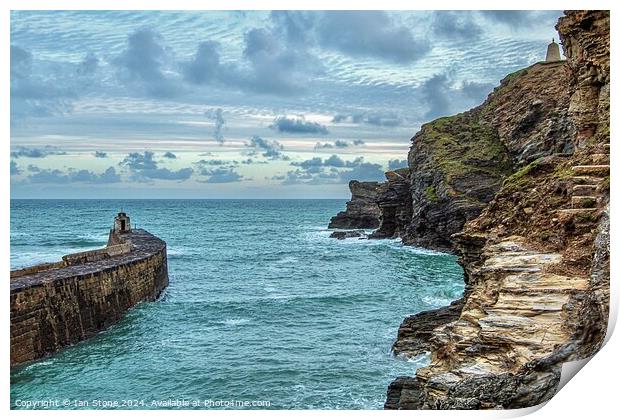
599	159
599	170
586	180
577	212
584	202
586	189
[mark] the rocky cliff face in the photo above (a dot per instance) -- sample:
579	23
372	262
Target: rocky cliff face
362	210
536	258
394	201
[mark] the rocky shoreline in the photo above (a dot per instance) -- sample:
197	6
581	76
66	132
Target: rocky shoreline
518	188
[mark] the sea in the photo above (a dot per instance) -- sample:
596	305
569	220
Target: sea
263	309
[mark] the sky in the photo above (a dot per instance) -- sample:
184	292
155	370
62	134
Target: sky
243	104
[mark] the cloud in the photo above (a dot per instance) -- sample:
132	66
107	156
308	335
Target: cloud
269	65
270	148
221	175
56	176
144	62
435	94
89	65
364	172
332	170
100	155
442	98
341	144
397	164
37	95
476	91
369	34
456	25
218	119
522	19
144	168
382	119
15	168
277	67
297	125
34	152
170	155
205	66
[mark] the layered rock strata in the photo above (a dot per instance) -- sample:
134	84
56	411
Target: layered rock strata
536	258
362	211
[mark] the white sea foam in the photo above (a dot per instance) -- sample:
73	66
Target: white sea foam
436	301
235	321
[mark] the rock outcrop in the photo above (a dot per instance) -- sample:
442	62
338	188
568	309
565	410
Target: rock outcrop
536	258
362	210
394	201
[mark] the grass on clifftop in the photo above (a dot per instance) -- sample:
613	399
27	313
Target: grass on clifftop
461	145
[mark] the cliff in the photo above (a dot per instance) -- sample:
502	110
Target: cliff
58	304
362	211
536	258
457	164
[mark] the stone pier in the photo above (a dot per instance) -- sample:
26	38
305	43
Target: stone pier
57	304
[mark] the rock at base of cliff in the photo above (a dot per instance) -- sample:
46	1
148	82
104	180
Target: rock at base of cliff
362	210
344	234
416	330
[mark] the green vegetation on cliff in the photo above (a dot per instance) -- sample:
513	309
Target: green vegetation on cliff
462	145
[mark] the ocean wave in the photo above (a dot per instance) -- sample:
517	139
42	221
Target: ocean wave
235	321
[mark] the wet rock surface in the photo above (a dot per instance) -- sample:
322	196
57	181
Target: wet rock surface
345	234
362	211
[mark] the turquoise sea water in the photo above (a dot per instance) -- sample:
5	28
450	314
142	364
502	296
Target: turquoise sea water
262	306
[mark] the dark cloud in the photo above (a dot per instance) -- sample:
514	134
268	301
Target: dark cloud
383	119
442	98
170	155
15	168
456	25
144	168
37	95
476	91
340	144
144	61
397	164
270	148
270	65
100	155
35	152
371	34
523	19
435	93
89	65
332	170
296	26
56	176
276	66
218	119
364	172
221	175
205	66
215	162
298	125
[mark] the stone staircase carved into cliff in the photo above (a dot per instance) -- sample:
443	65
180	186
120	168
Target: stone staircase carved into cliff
521	309
588	183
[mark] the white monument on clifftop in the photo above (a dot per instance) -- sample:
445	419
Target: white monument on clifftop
553	52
